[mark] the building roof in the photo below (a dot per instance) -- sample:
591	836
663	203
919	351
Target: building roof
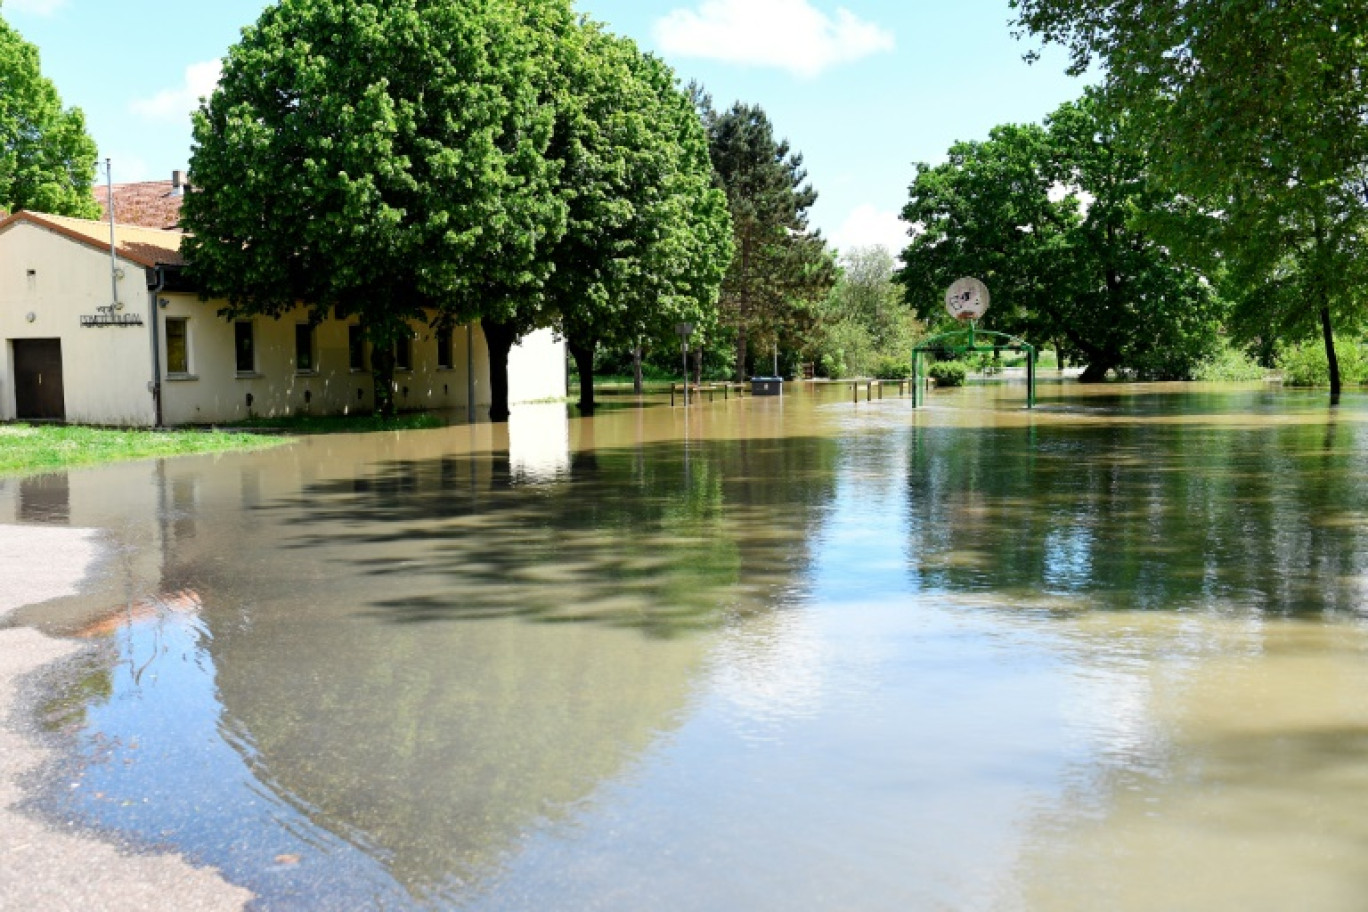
151	204
145	246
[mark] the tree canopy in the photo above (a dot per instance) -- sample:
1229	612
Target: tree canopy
384	160
866	326
781	270
648	237
47	160
1253	113
1049	217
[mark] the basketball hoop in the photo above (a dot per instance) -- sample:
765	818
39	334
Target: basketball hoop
967	300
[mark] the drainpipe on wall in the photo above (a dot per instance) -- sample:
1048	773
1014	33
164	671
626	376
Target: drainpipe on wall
153	293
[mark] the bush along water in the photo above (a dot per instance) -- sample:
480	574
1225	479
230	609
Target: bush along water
892	368
1305	364
948	373
1230	364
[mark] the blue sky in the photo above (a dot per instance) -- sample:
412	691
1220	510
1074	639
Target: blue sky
863	88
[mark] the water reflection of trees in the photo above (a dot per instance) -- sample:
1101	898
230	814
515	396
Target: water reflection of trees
662	538
436	746
1144	515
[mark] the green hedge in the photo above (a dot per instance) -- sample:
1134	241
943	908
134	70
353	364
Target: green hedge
948	373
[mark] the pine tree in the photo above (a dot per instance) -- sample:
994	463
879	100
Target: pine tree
781	270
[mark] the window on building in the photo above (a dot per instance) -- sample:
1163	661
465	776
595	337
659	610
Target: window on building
177	345
304	348
356	347
244	346
403	353
444	347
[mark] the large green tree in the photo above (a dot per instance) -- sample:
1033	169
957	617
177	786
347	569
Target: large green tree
1254	112
865	320
781	270
385	160
1048	217
648	238
47	160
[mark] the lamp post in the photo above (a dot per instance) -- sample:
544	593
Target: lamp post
684	330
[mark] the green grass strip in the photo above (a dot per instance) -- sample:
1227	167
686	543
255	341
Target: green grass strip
28	449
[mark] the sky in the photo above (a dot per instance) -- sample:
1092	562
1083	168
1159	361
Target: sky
863	89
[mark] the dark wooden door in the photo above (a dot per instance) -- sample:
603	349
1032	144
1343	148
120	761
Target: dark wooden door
38	378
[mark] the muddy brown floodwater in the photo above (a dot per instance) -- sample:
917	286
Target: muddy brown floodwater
790	653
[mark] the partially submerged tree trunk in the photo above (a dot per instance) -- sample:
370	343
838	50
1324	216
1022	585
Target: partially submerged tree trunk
582	350
500	338
698	365
637	385
1096	371
1331	359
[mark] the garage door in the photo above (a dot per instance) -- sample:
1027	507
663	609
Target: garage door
38	378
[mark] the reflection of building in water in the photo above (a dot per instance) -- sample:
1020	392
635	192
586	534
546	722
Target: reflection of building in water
184	506
45	499
539	441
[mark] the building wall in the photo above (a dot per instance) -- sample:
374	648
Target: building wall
105	369
215	391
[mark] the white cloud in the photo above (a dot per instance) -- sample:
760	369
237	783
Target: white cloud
790	35
37	7
867	226
171	104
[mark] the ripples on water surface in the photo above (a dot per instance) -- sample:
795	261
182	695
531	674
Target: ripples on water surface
794	654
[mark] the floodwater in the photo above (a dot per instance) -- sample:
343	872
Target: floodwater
790	653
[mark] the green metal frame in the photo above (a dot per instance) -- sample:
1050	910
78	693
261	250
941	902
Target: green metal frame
943	343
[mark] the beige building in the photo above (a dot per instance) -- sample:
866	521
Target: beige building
90	327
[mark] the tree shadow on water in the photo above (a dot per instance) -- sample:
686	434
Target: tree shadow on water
665	538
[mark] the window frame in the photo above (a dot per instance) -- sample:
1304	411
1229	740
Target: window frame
307	333
356	348
186	367
446	347
251	369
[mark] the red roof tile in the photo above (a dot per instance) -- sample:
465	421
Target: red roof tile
151	204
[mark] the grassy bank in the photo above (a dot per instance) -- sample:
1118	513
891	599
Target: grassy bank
343	424
27	449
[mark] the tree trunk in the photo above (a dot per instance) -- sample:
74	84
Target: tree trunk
1331	359
1096	371
698	365
582	350
382	375
741	354
500	338
637	386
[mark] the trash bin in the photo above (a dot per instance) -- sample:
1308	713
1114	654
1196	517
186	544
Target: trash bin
767	386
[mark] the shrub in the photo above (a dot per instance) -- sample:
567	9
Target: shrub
890	368
1305	364
1229	364
948	373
